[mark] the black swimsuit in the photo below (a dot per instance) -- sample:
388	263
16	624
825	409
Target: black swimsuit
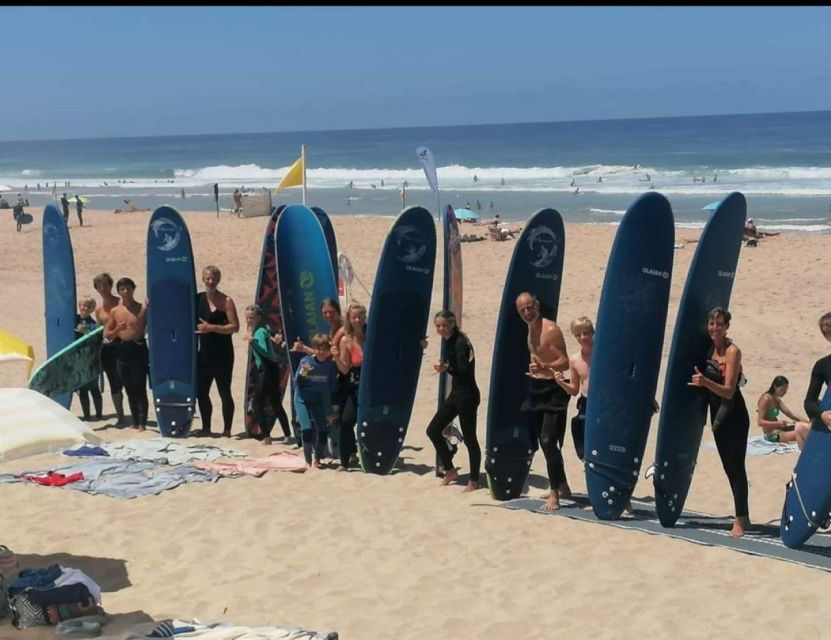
215	361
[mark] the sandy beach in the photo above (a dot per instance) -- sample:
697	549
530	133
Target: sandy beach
398	556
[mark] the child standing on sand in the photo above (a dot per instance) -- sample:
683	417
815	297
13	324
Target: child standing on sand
314	382
84	323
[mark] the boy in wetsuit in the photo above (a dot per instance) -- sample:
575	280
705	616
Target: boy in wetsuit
84	323
315	381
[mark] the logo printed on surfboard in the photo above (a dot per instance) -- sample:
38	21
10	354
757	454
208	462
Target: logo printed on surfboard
411	243
655	272
167	232
543	243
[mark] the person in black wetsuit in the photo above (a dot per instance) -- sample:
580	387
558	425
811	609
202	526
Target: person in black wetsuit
217	320
547	402
820	374
126	327
103	284
65	207
463	400
721	380
84	323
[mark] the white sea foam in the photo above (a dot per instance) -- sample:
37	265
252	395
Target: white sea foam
616	212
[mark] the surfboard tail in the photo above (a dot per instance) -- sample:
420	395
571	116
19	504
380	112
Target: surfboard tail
507	467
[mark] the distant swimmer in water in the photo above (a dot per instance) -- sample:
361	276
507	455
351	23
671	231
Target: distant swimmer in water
475	178
491	205
351	184
600	178
637	166
572	182
463	400
502	182
577	190
547	402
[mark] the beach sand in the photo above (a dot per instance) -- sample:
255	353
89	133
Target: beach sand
398	556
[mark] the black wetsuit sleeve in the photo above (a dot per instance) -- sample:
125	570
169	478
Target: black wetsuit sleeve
820	374
459	364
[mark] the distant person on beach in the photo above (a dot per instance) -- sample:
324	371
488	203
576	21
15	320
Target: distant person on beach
103	285
183	193
314	382
750	230
126	327
463	400
217	321
79	209
266	407
129	208
84	323
547	402
577	190
572	182
768	408
579	367
478	206
349	362
721	380
65	207
820	375
237	198
467	205
491	206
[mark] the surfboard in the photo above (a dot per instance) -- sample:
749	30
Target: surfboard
807	504
304	275
329	234
396	326
451	297
58	286
536	267
267	296
71	368
24	218
345	277
171	321
684	408
629	336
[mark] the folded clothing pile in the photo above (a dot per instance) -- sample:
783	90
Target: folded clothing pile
8	570
51	595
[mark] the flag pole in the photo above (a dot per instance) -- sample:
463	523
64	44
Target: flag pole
303	156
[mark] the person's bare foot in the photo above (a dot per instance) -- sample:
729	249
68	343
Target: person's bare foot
141	427
317	464
628	510
472	485
266	440
340	468
740	527
553	502
450	475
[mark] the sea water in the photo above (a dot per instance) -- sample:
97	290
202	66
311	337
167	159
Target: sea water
590	171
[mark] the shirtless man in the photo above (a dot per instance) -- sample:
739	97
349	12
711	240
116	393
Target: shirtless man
578	372
126	327
217	321
547	402
103	285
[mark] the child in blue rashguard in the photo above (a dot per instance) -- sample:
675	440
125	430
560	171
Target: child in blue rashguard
314	382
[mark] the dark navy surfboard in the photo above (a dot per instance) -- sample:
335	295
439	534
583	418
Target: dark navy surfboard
58	286
171	321
267	296
536	267
684	408
396	325
304	275
631	320
808	496
329	234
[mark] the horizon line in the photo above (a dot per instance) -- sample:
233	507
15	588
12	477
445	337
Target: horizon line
400	128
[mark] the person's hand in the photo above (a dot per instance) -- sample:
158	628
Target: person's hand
81	328
655	406
121	325
697	379
335	351
203	327
424	343
825	416
247	337
559	378
441	367
277	338
535	366
298	345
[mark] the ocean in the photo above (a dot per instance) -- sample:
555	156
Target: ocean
590	171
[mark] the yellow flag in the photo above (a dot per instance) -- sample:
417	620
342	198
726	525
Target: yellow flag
293	178
12	348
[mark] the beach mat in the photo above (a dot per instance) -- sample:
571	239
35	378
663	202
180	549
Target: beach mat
758	446
700	528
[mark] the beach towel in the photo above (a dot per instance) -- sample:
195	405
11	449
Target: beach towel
218	631
758	446
257	467
164	451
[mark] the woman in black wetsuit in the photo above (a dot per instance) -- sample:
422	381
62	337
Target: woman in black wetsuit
463	400
732	423
820	374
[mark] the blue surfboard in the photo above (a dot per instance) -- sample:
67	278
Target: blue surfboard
58	286
808	496
536	267
396	325
631	320
171	321
329	234
451	295
304	275
684	408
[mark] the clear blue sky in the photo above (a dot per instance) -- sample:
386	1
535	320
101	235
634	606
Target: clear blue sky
98	71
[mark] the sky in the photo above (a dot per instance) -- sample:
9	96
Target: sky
109	71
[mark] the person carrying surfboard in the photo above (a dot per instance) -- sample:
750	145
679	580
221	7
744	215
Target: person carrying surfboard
721	382
463	400
546	402
126	327
820	374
